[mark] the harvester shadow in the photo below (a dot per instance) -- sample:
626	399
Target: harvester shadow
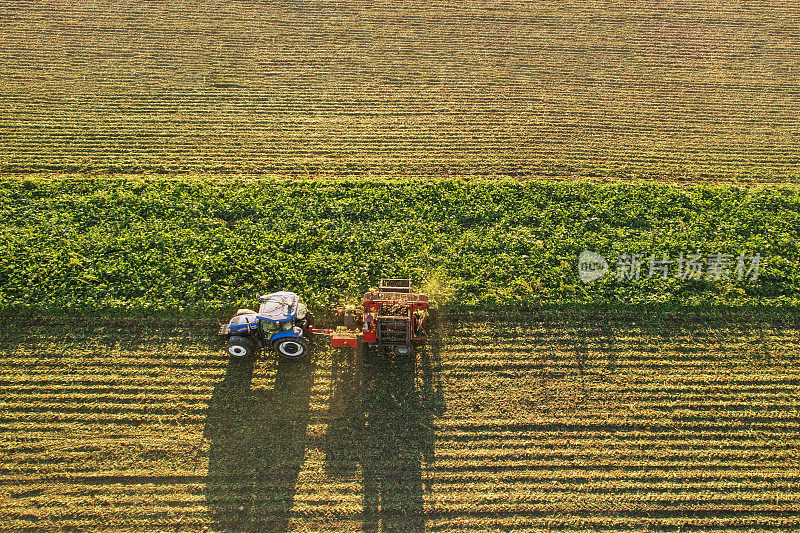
258	444
382	411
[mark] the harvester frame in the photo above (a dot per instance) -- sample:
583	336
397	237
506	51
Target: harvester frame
393	316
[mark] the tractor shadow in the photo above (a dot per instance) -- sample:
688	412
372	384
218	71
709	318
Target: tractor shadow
381	419
258	444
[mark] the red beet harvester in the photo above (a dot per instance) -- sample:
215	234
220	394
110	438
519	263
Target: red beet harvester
392	317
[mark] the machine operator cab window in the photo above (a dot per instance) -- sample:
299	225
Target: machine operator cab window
269	328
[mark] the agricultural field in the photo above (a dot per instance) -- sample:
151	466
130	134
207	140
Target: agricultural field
574	421
162	163
680	91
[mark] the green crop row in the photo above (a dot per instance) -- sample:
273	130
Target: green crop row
201	245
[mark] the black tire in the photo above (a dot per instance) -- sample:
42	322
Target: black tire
291	348
239	347
401	351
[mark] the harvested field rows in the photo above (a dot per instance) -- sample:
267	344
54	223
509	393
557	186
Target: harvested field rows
693	91
546	422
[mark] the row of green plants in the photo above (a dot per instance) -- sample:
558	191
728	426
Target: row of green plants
199	245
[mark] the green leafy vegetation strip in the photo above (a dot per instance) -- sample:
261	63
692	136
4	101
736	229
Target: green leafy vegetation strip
200	245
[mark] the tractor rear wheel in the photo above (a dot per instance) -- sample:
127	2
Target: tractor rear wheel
291	347
239	347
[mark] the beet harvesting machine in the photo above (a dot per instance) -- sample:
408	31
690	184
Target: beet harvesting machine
393	316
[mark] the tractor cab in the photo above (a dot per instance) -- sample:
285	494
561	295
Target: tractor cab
277	311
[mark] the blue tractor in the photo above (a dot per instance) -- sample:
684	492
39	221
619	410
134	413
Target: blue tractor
281	323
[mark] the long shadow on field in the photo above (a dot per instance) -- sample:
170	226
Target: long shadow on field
381	418
258	442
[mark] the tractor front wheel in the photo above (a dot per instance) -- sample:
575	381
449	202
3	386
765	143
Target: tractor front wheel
291	347
239	347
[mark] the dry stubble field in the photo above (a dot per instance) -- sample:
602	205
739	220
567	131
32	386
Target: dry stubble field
682	90
565	422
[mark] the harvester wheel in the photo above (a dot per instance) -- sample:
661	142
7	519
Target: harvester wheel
291	347
239	347
401	350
